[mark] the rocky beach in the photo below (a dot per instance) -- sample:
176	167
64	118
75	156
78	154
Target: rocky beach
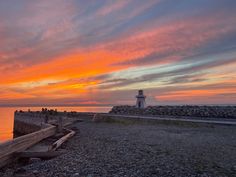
137	149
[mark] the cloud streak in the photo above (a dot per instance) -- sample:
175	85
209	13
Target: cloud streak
51	53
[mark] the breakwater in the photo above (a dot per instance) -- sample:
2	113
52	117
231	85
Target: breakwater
30	121
25	123
188	111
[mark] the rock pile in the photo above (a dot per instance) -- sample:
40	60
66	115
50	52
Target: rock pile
185	110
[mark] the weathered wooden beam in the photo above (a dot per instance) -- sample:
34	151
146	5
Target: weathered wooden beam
42	155
8	148
59	142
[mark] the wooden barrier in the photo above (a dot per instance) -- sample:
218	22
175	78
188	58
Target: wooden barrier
10	147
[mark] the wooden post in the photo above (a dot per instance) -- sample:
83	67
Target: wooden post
46	119
60	125
41	120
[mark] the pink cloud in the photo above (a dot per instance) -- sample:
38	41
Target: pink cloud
112	7
171	41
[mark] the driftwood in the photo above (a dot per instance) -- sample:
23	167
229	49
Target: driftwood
42	155
59	142
8	148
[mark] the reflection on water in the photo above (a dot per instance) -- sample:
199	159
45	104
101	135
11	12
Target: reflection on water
6	123
7	117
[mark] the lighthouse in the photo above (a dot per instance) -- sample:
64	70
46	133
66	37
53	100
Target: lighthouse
140	103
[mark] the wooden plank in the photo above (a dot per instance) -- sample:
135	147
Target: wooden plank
59	142
21	143
6	159
39	147
25	141
43	155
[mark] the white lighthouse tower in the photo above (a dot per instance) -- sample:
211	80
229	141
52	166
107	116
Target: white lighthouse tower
140	103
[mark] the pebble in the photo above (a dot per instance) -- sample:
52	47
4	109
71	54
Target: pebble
234	168
109	149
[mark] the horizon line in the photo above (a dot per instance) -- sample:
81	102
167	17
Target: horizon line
106	105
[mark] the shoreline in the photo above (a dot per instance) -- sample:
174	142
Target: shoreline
152	111
105	127
137	149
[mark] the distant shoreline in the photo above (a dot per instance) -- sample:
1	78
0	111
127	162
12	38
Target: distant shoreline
109	105
56	105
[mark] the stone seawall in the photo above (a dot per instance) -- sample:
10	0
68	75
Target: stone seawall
31	121
188	111
24	128
25	123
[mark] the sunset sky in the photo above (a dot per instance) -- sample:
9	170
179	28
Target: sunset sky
100	52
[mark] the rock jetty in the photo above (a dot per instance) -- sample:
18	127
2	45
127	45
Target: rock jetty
185	110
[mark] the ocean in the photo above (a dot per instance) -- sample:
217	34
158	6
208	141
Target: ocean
7	117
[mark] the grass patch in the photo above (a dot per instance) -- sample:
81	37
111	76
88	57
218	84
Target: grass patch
142	121
120	121
128	121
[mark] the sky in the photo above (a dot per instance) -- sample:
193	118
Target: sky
100	52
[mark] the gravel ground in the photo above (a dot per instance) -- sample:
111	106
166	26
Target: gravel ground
116	150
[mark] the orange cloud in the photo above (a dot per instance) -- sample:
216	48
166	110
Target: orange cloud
194	94
60	75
